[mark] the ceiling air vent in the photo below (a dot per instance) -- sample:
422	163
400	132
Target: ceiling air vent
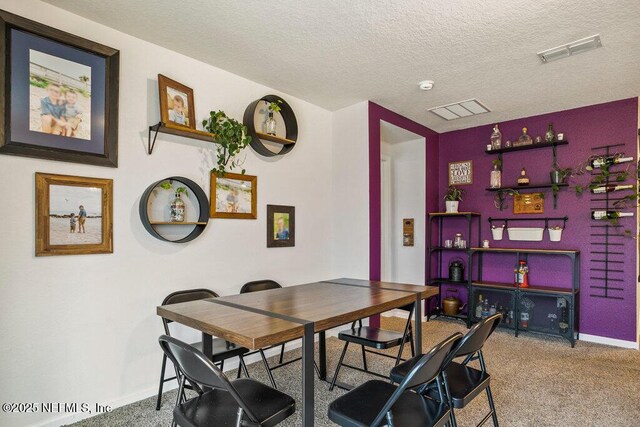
457	110
565	51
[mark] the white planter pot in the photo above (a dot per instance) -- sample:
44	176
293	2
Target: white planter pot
496	233
452	206
525	234
555	235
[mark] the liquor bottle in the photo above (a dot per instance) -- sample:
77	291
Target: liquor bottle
496	138
610	188
609	214
523	179
522	275
485	309
550	135
492	310
496	177
607	161
479	308
524	139
563	323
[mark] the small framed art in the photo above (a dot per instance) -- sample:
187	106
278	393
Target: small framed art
234	196
73	215
281	226
176	104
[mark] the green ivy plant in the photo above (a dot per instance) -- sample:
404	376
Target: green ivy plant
167	186
231	137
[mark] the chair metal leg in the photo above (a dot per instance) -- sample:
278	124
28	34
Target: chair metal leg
222	365
164	365
494	416
335	376
364	358
281	354
244	367
266	365
447	392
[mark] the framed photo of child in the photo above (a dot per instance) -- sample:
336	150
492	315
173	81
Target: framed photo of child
281	226
73	215
176	104
234	196
59	94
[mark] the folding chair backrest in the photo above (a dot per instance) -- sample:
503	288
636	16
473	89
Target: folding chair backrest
475	338
424	371
259	285
195	366
185	296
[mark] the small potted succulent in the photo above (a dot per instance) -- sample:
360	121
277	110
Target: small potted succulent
452	198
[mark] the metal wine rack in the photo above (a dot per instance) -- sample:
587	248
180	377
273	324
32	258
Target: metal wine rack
607	240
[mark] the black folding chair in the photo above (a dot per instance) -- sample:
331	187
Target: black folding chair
263	285
462	382
222	349
380	339
376	403
241	402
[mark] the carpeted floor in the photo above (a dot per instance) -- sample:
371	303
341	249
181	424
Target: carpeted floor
536	381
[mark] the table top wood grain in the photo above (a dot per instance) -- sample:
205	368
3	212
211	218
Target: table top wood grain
244	319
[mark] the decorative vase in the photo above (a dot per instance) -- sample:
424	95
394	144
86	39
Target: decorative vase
452	206
270	125
496	178
496	138
556	177
177	209
550	135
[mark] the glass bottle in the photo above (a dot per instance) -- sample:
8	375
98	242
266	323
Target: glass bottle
485	309
479	307
177	209
523	179
496	177
270	125
496	138
550	136
524	139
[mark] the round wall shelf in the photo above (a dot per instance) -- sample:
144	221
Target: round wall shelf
272	145
154	211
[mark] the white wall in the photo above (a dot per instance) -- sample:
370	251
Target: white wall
350	191
407	201
84	328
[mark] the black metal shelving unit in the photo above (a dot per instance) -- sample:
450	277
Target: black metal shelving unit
439	278
540	186
546	295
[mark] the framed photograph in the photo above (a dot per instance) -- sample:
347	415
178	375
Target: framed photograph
461	173
281	226
73	215
60	94
176	104
234	196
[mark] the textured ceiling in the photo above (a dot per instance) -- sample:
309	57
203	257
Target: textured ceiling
335	53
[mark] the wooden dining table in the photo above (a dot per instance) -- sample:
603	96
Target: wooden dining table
261	319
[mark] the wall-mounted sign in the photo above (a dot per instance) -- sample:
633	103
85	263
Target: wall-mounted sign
528	203
461	173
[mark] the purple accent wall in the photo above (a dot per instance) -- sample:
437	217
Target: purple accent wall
378	113
584	128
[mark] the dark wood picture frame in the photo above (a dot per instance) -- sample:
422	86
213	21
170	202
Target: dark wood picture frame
106	140
165	82
272	241
43	221
215	179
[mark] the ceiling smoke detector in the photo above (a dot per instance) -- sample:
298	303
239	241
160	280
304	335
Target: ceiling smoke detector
426	84
457	110
565	51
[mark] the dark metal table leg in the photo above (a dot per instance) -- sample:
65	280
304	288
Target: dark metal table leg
207	349
308	376
322	350
418	319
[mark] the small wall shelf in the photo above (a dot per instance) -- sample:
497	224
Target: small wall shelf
527	147
187	133
527	187
290	123
162	230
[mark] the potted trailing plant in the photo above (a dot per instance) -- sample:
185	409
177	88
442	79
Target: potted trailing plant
559	175
177	207
453	198
231	137
270	123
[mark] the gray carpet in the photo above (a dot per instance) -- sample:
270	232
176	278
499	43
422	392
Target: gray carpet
536	381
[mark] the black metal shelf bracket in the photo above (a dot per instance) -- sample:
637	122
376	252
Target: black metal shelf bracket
151	143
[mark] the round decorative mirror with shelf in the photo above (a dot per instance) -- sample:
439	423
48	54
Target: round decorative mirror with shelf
265	114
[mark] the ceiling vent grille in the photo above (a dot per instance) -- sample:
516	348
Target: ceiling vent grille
457	110
565	51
